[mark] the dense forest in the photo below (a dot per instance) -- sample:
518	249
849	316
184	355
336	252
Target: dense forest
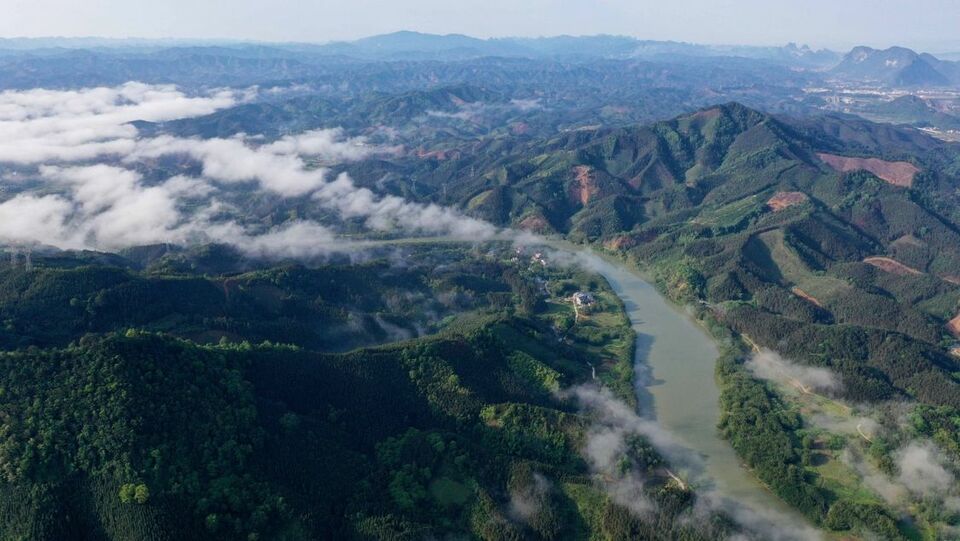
428	390
178	405
830	240
739	215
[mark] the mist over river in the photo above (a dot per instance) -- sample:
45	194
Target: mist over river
675	384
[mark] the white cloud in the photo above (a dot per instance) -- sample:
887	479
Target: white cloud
922	469
329	145
771	366
390	212
100	206
27	219
108	205
526	502
614	421
41	125
295	240
235	161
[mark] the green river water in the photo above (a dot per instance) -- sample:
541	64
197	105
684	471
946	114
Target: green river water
676	386
674	367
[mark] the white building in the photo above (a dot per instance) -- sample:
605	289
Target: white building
583	299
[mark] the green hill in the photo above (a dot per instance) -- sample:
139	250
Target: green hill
914	111
745	203
833	241
194	433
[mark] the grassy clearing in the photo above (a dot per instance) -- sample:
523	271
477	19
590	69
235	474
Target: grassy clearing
600	330
731	215
793	269
826	462
478	199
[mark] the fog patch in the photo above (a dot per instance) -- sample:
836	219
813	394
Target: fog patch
526	104
527	501
892	492
41	125
763	523
922	471
475	111
769	365
277	167
390	212
865	427
614	423
87	193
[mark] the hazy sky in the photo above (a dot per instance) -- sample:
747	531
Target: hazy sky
926	24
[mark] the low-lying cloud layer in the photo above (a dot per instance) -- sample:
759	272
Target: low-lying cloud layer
526	502
475	111
78	186
39	125
770	366
922	471
614	422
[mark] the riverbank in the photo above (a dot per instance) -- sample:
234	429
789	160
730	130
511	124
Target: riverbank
773	433
674	367
674	363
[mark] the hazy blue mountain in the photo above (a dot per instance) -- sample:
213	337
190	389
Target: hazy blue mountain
897	66
407	45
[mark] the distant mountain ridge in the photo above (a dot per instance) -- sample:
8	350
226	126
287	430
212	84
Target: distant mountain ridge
26	63
894	66
408	45
897	66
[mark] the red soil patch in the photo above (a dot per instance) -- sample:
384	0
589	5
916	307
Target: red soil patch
806	296
955	351
782	200
439	155
890	265
519	128
621	243
537	224
908	240
707	114
896	173
586	186
954	327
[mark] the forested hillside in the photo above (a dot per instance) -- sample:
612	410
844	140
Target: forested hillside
159	405
831	241
215	322
741	210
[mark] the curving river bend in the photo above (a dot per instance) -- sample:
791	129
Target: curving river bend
675	384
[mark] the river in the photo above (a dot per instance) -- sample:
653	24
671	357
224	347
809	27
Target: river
676	386
675	382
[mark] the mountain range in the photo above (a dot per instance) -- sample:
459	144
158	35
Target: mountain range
897	66
211	367
831	239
